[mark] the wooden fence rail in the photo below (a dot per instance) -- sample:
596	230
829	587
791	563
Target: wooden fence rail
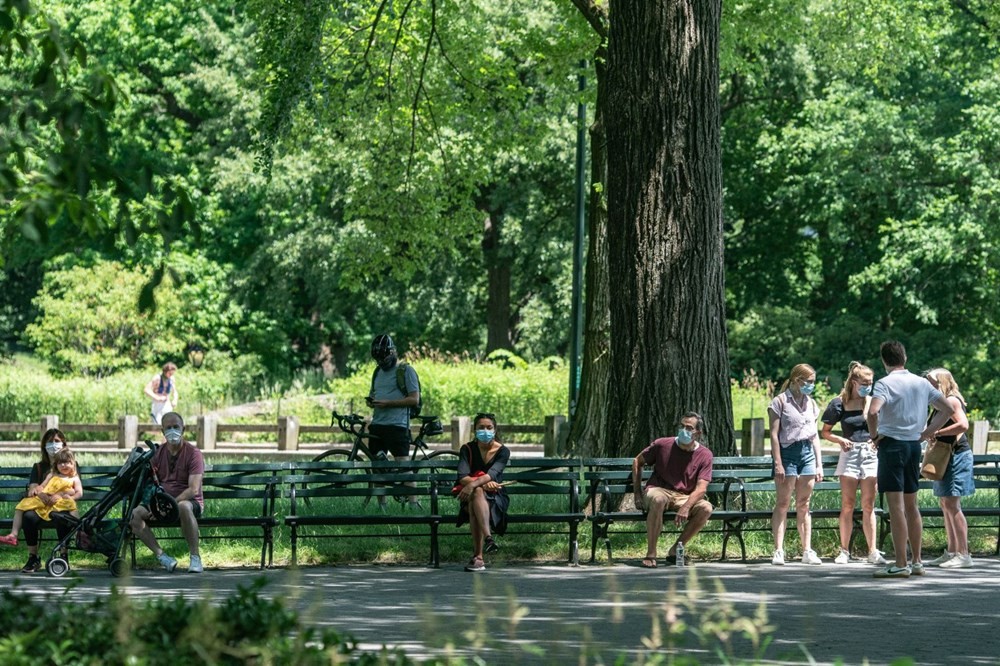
287	432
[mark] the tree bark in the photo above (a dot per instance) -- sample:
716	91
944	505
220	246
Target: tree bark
498	308
589	423
669	351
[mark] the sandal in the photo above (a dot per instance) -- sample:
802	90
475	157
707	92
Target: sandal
649	563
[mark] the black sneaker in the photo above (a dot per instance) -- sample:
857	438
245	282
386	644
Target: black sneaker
490	546
33	565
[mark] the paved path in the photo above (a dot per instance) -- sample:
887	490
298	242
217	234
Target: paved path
946	617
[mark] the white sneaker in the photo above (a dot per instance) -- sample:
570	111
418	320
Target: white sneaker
778	557
810	557
958	562
168	562
938	561
843	557
917	569
875	557
195	565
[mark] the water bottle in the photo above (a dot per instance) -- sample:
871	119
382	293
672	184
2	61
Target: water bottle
680	554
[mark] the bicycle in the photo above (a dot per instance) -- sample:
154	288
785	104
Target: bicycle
356	425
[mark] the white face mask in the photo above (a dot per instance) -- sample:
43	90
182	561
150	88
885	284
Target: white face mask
53	447
173	435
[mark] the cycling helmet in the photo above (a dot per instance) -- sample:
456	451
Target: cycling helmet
383	350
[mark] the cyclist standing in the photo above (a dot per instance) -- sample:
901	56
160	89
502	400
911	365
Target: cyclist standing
395	390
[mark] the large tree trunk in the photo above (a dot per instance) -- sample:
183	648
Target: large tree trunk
669	352
589	423
498	309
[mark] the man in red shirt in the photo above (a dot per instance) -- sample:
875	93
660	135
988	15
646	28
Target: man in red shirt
180	468
682	470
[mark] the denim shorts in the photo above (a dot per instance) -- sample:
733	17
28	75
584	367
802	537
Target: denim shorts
898	465
798	458
957	480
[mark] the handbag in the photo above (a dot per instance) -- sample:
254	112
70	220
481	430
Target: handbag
936	459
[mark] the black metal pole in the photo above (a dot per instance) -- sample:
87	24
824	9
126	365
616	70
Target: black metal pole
576	331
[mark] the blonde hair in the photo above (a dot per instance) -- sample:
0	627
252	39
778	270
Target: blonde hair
798	372
855	372
946	383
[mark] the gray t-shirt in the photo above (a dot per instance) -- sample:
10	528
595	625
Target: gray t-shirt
386	388
906	397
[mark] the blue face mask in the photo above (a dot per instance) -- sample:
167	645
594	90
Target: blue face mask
807	389
485	436
864	391
684	436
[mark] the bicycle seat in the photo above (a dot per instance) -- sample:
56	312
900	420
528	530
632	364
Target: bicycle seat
431	425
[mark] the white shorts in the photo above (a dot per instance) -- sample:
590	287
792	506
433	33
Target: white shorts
861	462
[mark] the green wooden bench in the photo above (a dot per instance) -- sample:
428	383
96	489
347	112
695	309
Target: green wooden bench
986	472
552	482
222	483
738	484
336	494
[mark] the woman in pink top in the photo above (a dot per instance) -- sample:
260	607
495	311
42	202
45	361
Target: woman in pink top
797	461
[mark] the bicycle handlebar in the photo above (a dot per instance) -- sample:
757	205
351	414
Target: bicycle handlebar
355	424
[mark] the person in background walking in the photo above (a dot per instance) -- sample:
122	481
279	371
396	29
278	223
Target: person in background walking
798	464
957	481
858	464
896	418
162	392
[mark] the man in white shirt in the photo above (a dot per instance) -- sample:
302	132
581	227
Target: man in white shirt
896	419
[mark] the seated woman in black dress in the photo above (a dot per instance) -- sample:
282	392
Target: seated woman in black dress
483	500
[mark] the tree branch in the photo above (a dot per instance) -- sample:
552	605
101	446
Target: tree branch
596	14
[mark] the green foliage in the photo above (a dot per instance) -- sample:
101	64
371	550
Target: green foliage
245	628
516	395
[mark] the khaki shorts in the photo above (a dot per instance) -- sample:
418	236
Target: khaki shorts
675	500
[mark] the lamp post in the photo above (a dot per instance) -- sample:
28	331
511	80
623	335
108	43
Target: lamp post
576	316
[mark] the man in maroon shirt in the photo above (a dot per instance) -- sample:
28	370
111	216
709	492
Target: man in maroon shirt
180	468
682	470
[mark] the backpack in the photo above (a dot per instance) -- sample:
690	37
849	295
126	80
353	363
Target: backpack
401	385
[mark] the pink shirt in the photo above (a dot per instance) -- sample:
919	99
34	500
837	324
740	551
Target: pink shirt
677	469
797	419
174	477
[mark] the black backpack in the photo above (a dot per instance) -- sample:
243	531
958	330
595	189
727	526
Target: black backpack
401	384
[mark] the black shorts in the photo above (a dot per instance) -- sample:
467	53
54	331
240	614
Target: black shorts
898	465
392	439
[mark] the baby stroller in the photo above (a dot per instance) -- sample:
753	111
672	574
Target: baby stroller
93	532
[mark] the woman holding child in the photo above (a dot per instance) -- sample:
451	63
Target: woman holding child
53	443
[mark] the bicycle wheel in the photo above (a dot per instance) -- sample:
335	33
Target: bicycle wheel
343	454
336	455
446	458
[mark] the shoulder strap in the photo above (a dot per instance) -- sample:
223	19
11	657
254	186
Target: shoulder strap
401	377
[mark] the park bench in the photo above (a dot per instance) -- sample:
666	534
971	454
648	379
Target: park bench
742	490
240	503
544	492
339	494
232	494
985	516
343	494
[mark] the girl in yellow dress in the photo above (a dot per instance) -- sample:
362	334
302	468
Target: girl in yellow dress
61	487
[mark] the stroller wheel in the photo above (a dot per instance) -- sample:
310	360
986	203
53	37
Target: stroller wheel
57	567
118	567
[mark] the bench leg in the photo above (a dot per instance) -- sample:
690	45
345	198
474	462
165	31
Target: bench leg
295	538
574	545
435	547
